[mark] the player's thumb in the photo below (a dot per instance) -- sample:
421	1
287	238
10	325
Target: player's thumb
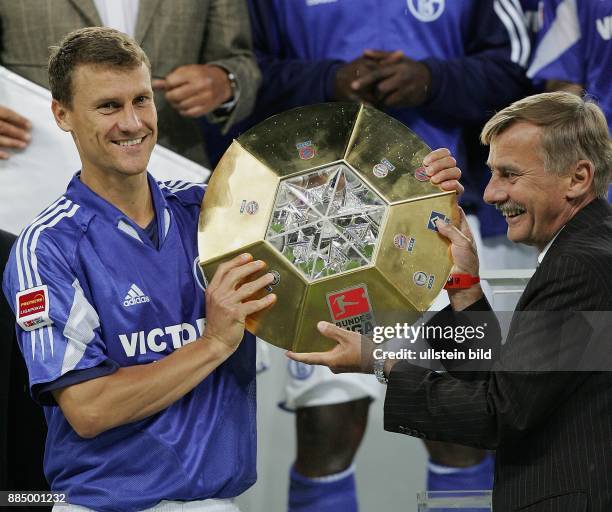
454	235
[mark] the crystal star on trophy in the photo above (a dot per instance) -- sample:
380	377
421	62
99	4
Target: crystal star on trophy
333	197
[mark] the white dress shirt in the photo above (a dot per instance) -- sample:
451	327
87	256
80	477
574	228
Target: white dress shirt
119	14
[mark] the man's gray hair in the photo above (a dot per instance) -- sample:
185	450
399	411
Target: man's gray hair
573	129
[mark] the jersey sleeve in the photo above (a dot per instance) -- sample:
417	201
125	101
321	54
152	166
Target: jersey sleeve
491	73
287	82
559	49
58	329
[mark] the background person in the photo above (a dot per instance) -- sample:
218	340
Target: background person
200	53
574	51
148	393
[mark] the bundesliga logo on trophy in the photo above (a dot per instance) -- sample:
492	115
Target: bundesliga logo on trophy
334	199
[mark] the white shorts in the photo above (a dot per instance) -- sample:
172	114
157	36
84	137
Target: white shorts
312	386
169	506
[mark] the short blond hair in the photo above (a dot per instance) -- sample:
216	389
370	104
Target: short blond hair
91	45
573	129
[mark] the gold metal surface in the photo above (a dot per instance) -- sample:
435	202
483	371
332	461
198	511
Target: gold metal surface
423	249
225	223
332	198
378	136
275	141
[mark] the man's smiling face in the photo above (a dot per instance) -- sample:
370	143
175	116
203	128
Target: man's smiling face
112	118
532	200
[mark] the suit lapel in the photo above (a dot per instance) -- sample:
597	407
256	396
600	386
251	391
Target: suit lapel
146	12
88	9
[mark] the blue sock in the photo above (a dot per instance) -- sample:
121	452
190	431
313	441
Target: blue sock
331	493
472	478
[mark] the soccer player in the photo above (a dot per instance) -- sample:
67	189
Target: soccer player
148	386
146	400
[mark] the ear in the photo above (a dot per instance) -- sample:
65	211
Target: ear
61	113
581	179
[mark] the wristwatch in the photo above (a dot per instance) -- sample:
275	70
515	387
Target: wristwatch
379	371
231	103
459	281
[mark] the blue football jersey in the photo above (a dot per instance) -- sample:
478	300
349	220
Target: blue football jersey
92	293
575	45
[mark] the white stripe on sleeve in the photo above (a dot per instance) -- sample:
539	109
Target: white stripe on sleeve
79	329
563	33
514	21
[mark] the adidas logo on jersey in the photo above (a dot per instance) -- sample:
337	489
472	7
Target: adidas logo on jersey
135	296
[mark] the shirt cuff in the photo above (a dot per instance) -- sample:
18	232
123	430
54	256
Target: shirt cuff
42	392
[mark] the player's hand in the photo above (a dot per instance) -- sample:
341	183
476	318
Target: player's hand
196	89
346	356
14	131
442	170
398	80
346	76
229	302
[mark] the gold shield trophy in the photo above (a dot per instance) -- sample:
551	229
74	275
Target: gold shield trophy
333	197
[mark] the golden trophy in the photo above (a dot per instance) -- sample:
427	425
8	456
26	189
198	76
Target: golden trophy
333	197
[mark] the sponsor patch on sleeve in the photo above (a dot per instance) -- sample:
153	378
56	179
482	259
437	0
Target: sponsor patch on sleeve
33	308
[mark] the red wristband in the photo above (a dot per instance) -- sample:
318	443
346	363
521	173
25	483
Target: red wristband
459	281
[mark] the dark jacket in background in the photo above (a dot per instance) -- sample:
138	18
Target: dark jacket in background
22	424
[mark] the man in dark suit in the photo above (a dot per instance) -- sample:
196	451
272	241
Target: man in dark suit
550	158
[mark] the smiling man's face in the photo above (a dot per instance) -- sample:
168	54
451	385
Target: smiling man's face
112	118
533	201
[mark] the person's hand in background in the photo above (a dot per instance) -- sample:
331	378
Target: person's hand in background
15	132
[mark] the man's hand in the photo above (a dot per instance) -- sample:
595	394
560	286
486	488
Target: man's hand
442	169
465	258
14	131
196	89
398	81
348	74
227	300
346	356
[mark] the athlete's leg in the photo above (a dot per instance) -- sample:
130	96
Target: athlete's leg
328	437
453	467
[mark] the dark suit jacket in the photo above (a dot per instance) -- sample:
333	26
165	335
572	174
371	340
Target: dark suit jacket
552	430
22	424
172	33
